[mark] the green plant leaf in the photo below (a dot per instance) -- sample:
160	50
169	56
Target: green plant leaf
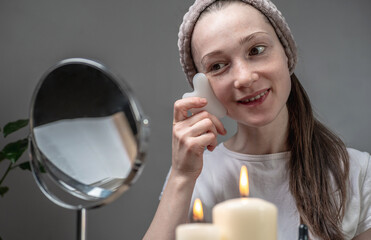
3	190
14	126
14	150
25	166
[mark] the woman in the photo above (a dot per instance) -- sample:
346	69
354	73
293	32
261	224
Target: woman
246	50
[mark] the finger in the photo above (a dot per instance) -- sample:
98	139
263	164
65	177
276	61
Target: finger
203	126
218	125
207	140
182	106
211	148
203	115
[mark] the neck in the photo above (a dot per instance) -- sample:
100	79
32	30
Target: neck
271	138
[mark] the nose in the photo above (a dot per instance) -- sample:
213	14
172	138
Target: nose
244	75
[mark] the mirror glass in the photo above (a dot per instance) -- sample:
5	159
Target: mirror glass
88	135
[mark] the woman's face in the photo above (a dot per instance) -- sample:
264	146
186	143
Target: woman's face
240	53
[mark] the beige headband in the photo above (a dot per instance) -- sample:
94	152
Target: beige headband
264	6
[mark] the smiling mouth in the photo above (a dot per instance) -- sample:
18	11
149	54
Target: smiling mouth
255	98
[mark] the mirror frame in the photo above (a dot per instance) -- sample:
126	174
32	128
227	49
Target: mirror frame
44	175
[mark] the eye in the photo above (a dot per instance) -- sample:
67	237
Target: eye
256	50
218	66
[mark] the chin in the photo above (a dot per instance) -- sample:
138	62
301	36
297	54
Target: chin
256	122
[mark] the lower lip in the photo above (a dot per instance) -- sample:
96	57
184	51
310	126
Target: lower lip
257	101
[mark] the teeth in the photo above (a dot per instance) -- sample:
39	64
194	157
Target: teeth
254	98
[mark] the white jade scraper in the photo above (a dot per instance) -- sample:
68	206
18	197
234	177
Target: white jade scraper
203	89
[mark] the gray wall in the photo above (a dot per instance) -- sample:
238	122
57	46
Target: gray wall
137	41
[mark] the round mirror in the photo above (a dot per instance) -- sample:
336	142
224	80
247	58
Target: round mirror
88	135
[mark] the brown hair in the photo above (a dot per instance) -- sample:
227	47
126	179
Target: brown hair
319	163
319	168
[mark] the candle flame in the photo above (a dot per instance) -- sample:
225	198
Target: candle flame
244	182
198	213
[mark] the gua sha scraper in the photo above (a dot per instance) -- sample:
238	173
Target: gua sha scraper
203	89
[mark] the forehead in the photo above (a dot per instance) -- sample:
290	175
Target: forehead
218	26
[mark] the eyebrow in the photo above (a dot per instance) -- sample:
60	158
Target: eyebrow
251	37
213	53
242	41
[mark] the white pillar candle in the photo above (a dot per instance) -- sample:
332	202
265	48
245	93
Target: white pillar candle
245	219
197	231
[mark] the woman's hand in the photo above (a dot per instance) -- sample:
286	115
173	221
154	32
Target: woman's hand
191	135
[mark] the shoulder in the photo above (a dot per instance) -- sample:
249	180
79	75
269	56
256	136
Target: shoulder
357	217
359	171
358	163
357	156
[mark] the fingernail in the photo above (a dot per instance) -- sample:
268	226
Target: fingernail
203	100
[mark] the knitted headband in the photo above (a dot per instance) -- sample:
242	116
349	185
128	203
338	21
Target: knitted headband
266	7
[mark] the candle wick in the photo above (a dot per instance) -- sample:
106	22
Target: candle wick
198	221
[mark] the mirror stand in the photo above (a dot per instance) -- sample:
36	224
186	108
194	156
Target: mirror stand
81	224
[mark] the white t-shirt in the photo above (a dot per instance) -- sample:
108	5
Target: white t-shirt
269	180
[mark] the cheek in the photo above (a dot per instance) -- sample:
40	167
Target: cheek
278	70
288	87
283	83
277	64
284	76
222	91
